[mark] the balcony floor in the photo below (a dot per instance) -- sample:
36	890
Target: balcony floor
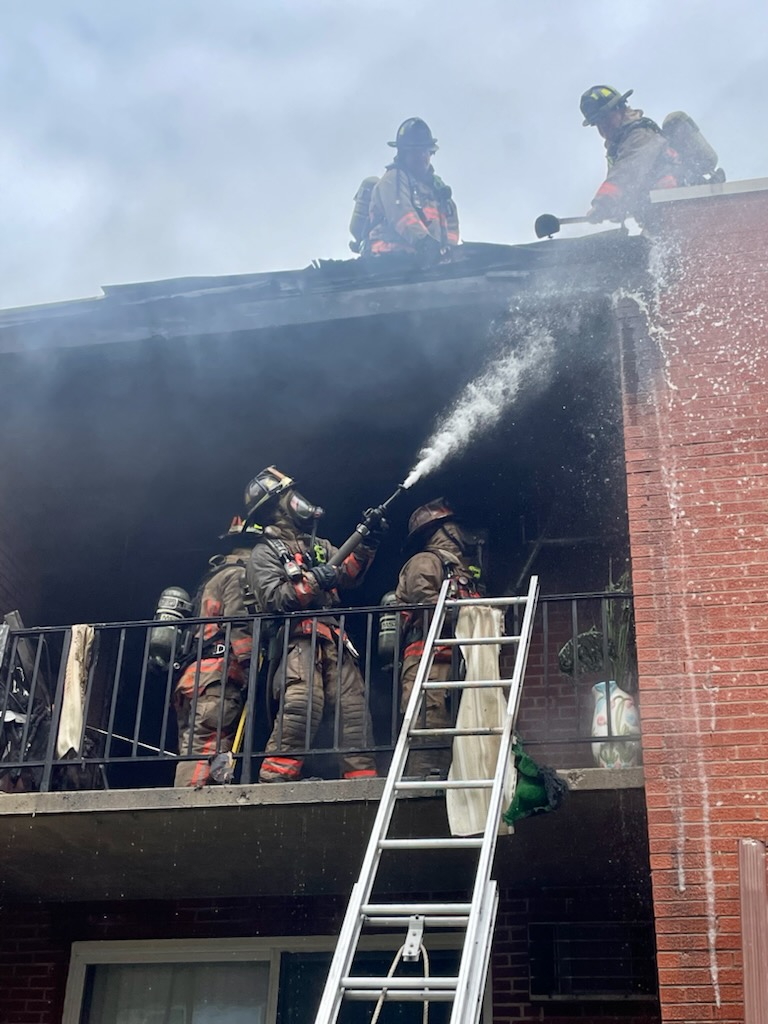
306	837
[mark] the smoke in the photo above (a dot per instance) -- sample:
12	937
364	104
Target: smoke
485	399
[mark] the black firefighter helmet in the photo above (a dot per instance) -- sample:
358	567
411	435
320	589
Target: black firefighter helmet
270	486
598	100
414	133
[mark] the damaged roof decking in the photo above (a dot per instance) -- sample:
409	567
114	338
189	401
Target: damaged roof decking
129	458
334	290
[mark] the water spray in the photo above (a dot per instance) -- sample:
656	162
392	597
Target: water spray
478	408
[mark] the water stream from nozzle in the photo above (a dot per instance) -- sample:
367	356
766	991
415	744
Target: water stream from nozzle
482	403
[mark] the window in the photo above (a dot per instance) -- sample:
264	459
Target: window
583	960
208	993
232	981
223	981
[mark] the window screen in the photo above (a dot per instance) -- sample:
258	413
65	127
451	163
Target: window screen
585	960
195	993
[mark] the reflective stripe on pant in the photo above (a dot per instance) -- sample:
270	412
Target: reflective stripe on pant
421	762
332	683
204	729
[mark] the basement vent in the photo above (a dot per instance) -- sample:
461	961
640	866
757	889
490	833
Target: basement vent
592	960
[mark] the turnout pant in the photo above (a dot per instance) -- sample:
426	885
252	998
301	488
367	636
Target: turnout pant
202	730
436	754
330	686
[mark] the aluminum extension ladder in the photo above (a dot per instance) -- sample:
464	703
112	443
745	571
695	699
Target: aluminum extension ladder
476	918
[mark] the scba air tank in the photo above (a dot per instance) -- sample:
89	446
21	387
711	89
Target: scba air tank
360	222
173	607
685	135
387	644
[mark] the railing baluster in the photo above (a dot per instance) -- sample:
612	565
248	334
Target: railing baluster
367	658
170	677
115	689
337	702
224	684
45	782
31	685
142	686
250	702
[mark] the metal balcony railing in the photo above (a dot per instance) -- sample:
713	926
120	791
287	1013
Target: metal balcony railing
121	704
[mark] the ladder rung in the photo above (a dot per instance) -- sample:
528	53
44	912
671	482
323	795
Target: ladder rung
445	784
496	602
400	984
371	909
466	684
417	996
452	641
454	842
479	731
457	921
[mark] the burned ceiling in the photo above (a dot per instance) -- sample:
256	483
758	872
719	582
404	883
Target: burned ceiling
129	458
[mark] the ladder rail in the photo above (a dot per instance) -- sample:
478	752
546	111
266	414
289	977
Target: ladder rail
478	923
488	848
352	925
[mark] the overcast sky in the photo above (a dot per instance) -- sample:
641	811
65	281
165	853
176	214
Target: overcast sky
147	139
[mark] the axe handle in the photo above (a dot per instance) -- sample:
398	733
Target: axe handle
240	730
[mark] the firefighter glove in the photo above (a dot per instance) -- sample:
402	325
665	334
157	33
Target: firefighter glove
375	520
326	576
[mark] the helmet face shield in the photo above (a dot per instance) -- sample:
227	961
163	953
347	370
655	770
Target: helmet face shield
303	512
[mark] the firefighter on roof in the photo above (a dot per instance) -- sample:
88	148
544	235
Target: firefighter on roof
288	572
640	157
442	550
199	693
411	209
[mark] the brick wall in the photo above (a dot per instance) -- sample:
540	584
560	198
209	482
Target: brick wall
35	943
696	432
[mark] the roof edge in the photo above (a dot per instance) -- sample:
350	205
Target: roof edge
725	188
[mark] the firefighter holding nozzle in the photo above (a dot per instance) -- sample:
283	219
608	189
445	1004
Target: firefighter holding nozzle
289	571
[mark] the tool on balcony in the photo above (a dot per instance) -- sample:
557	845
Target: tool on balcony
223	764
547	224
474	918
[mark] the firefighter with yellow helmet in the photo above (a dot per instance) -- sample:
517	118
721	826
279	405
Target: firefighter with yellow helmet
441	550
639	155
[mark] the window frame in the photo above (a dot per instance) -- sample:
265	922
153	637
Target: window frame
225	950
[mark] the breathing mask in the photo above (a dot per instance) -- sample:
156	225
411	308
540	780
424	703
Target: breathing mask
302	512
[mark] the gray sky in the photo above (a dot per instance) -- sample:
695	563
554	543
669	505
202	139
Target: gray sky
146	139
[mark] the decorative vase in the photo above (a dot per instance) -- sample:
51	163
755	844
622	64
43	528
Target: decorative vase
625	721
